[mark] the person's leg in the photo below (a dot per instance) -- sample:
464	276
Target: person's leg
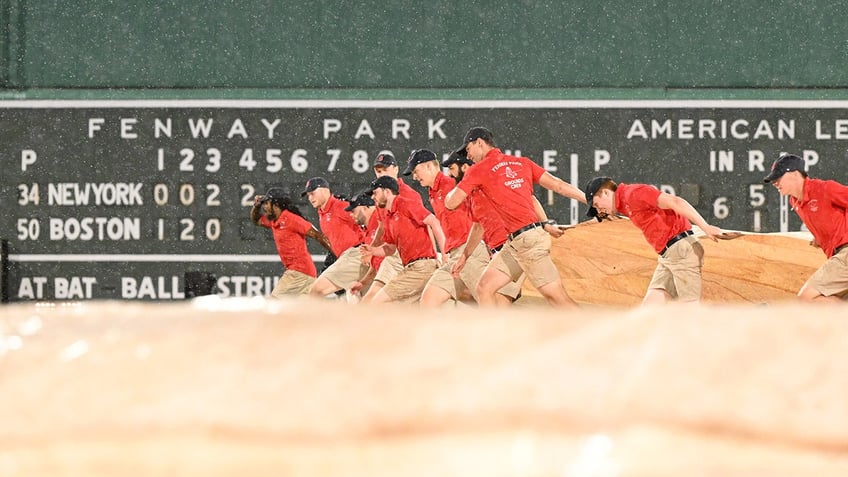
489	284
323	286
341	275
685	262
293	283
389	268
532	251
434	296
408	284
554	292
829	284
656	296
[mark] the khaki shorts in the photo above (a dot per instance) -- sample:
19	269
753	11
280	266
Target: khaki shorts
679	271
389	268
347	269
529	253
468	277
410	282
506	264
292	283
831	279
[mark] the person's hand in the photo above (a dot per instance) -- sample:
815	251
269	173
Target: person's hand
367	252
257	200
553	230
712	232
458	265
814	243
356	288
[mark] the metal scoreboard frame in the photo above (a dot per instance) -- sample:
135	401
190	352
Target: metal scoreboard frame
118	199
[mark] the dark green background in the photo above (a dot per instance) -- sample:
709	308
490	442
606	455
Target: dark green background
264	44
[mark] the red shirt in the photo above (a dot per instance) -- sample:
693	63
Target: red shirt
483	212
639	202
341	230
370	232
508	182
823	211
455	223
404	226
290	236
403	191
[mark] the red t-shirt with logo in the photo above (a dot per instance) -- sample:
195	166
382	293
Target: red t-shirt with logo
824	210
403	191
455	223
290	236
404	227
483	212
639	202
337	224
508	182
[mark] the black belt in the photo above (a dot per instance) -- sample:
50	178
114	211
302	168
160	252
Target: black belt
495	250
525	229
417	259
839	248
675	239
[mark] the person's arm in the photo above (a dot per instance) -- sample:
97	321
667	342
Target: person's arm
378	235
455	198
364	281
475	235
439	234
256	210
684	208
549	227
381	250
320	238
551	182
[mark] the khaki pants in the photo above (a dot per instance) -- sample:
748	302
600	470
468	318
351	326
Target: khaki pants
679	271
389	268
529	253
347	269
292	283
468	277
410	282
831	279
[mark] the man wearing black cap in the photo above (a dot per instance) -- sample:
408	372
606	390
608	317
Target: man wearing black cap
823	207
362	207
345	237
666	222
508	182
443	286
487	226
409	229
385	164
290	230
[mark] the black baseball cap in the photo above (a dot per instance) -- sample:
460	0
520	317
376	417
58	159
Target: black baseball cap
474	134
455	158
384	182
592	188
385	160
784	164
275	194
361	199
315	183
419	156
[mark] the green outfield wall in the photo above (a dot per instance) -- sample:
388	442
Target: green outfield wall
528	45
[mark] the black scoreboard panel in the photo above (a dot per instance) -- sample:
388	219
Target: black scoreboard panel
118	199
